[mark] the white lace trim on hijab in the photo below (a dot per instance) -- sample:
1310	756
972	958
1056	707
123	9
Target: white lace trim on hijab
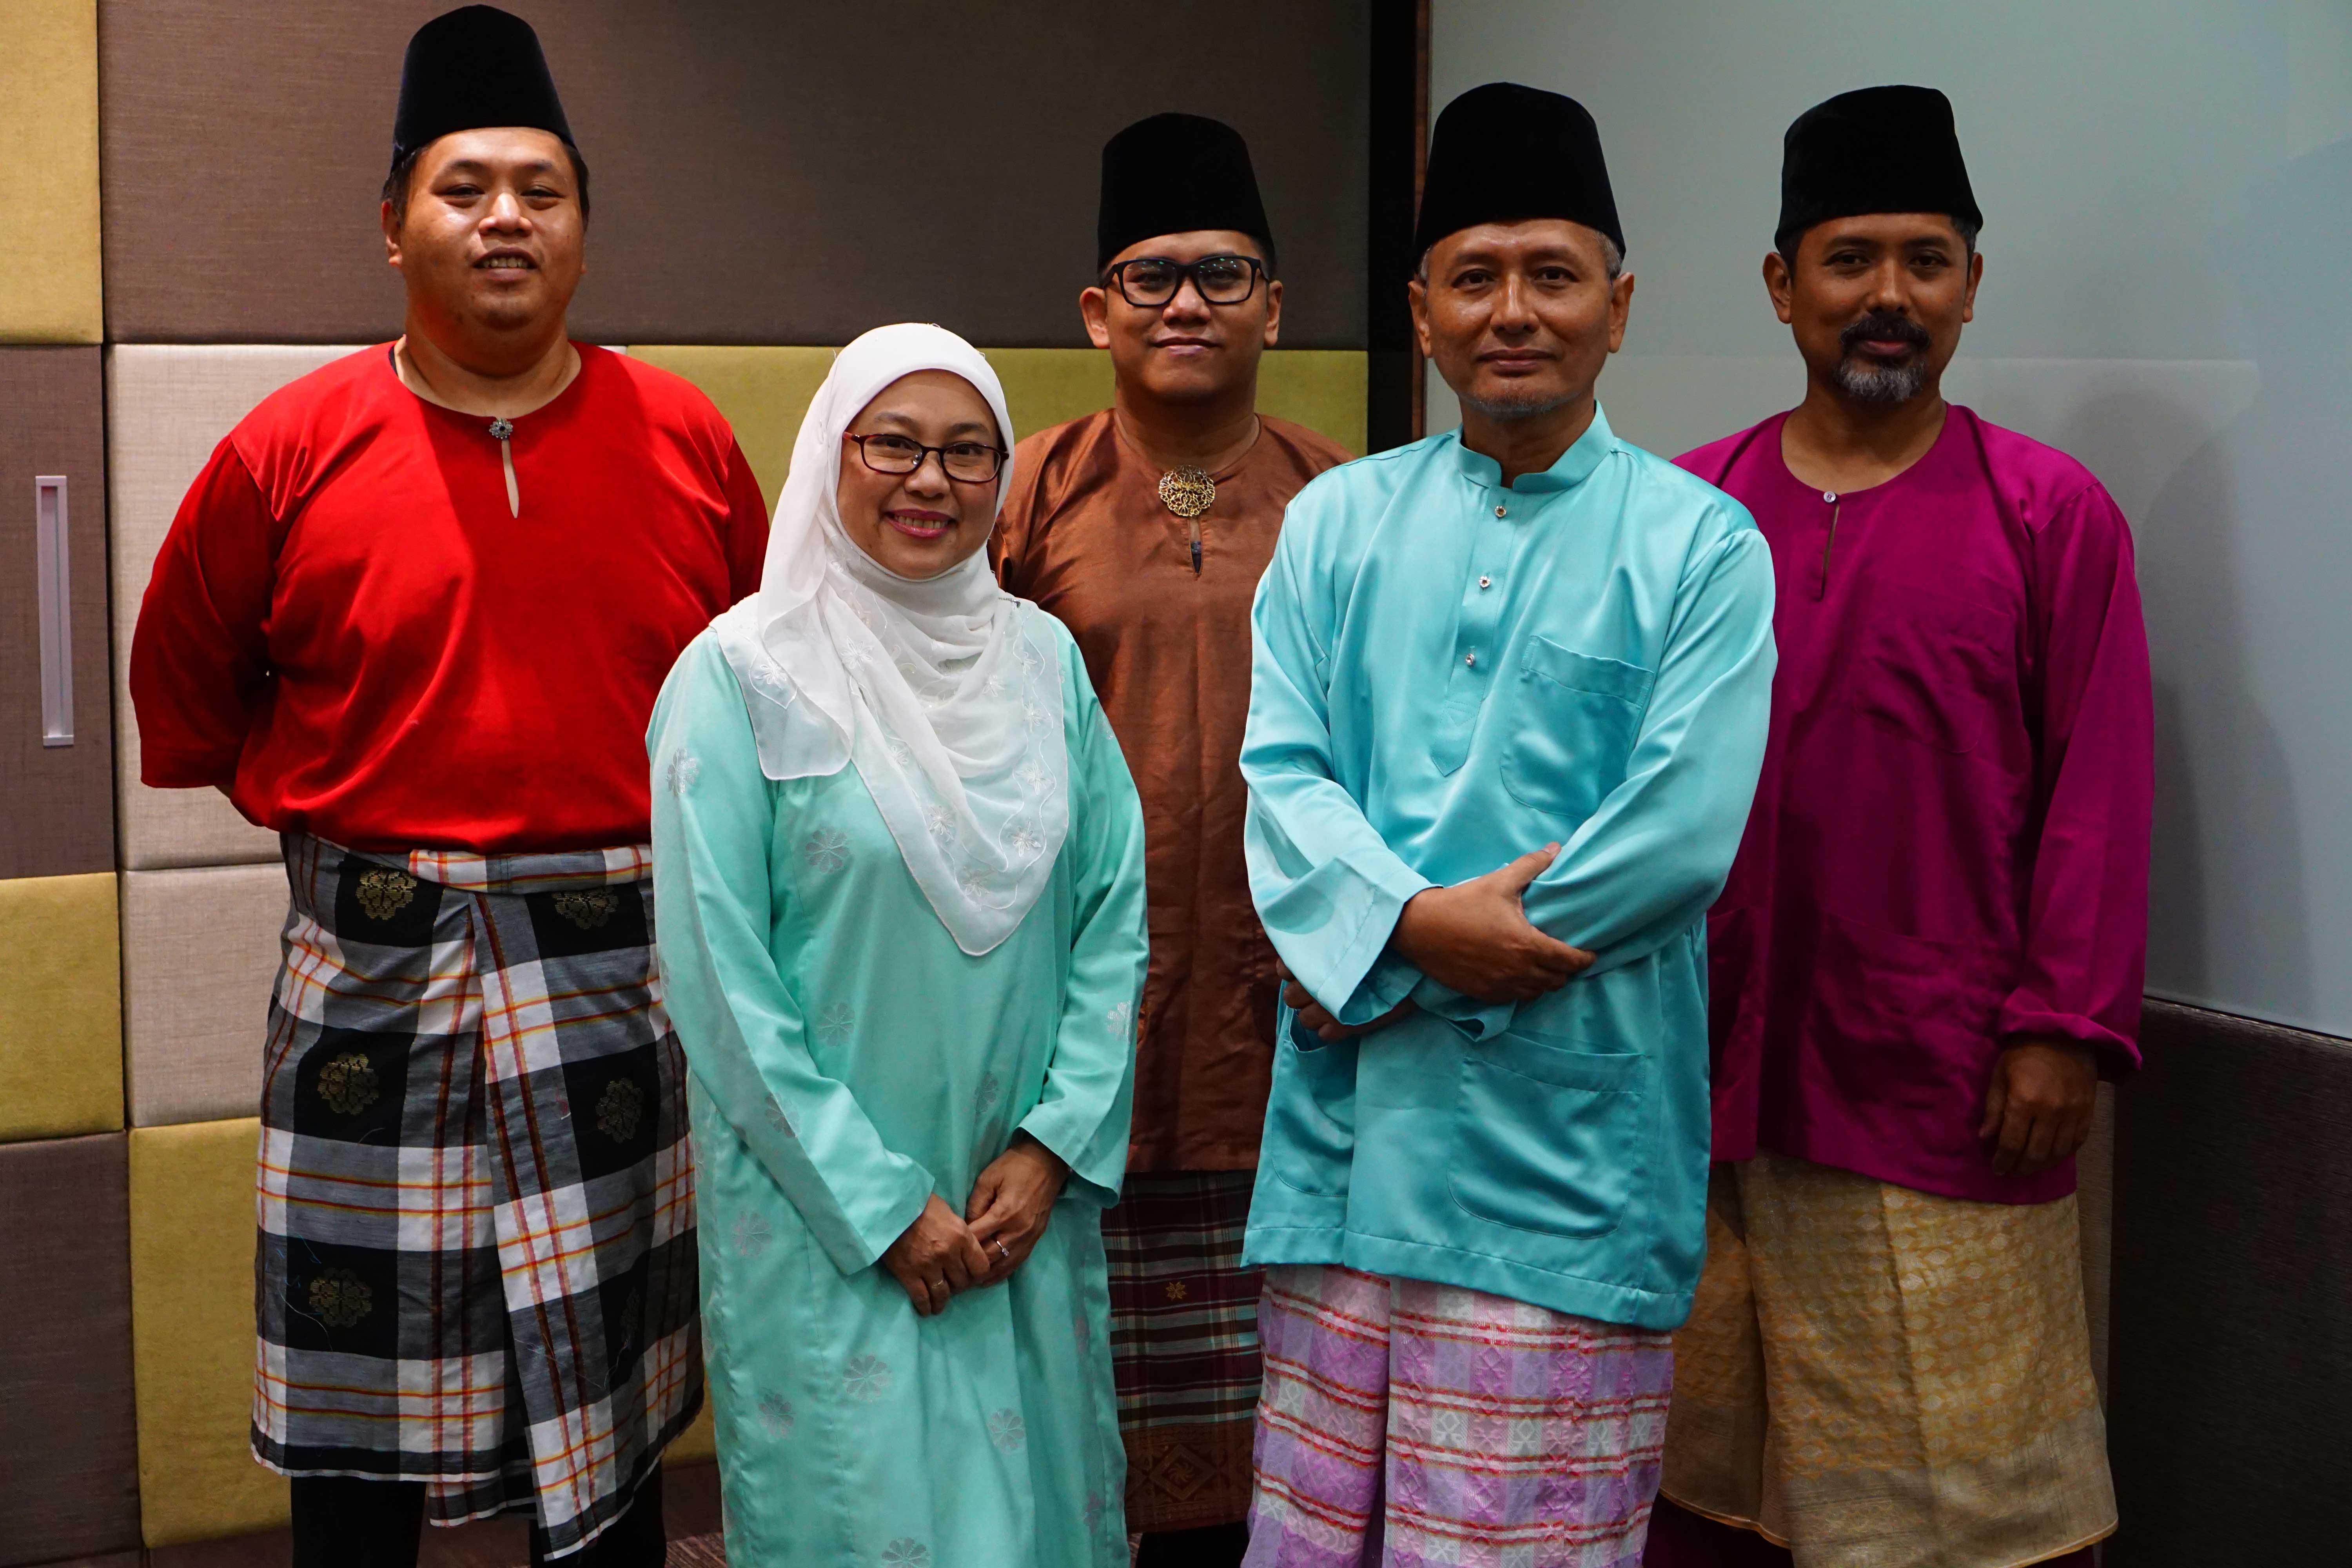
946	693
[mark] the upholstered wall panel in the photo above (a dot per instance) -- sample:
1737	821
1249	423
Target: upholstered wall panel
60	1011
2230	1409
168	408
763	390
60	797
192	1231
749	182
200	952
48	176
66	1441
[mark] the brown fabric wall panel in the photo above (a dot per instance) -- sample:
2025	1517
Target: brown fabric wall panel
2229	1402
67	1446
60	799
759	173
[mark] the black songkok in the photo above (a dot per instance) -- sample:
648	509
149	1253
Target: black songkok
473	66
1173	173
1503	153
1878	150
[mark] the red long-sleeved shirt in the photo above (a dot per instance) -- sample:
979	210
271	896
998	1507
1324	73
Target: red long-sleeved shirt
350	632
1950	844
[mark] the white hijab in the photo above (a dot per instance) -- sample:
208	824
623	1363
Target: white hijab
939	690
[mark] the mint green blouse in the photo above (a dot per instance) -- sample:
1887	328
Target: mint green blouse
848	1061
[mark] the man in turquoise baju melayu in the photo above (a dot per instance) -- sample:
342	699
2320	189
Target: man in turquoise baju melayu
1508	703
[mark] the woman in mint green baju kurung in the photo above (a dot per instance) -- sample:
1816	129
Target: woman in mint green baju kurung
884	983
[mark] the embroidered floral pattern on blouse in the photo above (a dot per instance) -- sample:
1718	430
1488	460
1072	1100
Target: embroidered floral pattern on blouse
348	1084
826	849
991	1090
867	1378
619	1109
833	1025
778	1119
684	768
341	1298
383	893
1007	1431
906	1552
1095	1511
588	910
751	1234
1117	1014
776	1415
1082	1331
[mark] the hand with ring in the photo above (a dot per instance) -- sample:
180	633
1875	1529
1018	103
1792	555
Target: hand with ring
1012	1201
937	1257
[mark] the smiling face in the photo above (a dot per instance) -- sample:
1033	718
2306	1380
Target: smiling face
1520	316
1187	349
1877	302
491	242
919	524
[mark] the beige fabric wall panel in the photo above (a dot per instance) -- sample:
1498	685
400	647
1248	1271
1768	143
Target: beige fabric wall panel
192	1231
48	178
750	182
765	391
59	786
61	1010
200	953
66	1446
168	407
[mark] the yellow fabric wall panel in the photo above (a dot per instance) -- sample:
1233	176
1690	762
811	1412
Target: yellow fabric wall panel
61	1011
763	390
192	1231
698	1444
49	288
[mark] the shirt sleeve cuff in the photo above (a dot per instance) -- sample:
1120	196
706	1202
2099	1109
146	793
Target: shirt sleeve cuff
2026	1015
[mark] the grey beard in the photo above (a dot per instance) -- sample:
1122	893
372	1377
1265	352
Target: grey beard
1506	410
1889	386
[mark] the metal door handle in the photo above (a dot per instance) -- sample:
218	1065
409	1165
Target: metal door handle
56	568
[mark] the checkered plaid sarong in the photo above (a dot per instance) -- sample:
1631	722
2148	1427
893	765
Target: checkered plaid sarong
1410	1425
477	1262
1183	1344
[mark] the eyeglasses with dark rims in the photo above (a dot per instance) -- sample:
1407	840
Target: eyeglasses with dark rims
1153	280
966	462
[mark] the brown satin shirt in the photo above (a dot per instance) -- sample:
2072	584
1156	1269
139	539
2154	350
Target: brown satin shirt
1084	534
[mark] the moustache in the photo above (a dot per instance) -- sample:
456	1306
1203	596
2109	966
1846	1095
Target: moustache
1882	326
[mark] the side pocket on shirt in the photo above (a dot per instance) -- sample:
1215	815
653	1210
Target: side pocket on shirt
1548	1134
1310	1114
1573	727
1929	666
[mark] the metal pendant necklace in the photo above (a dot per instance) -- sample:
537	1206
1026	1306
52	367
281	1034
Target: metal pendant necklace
502	432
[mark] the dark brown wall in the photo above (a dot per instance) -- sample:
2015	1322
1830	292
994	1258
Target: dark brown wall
57	802
66	1447
2231	1341
761	171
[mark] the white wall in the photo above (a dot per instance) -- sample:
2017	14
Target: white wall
2168	195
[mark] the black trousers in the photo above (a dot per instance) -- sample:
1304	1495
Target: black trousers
342	1521
1212	1546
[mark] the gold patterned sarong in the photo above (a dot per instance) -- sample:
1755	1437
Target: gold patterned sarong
1878	1377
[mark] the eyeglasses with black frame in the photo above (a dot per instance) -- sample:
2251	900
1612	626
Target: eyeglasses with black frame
1153	280
966	462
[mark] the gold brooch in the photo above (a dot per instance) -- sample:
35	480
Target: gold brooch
384	893
348	1084
1187	492
619	1109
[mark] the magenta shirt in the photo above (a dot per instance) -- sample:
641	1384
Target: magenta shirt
1949	842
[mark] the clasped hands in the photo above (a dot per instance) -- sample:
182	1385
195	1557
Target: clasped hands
1474	937
942	1252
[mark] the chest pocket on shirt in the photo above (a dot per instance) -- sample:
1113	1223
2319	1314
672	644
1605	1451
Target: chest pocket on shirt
1574	720
1930	666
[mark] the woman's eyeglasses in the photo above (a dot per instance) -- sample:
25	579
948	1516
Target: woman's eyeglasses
1149	281
966	462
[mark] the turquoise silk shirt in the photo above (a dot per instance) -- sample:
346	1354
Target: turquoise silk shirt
1450	672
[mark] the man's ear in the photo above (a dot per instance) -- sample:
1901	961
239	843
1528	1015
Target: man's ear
1621	309
1273	311
1416	299
1976	276
391	235
1780	285
1094	307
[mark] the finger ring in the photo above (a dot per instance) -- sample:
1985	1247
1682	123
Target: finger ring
938	1285
1004	1252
